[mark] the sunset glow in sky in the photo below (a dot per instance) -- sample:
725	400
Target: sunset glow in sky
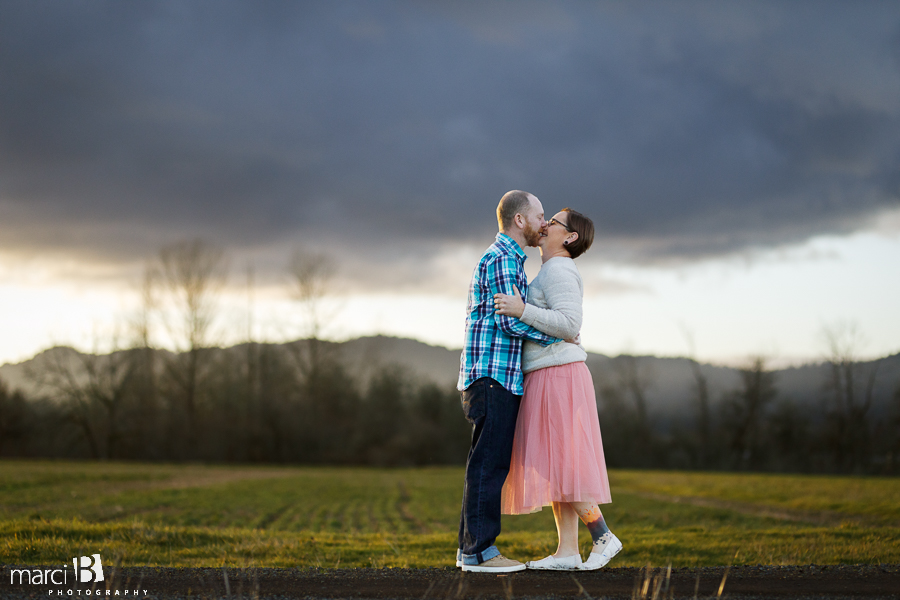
741	161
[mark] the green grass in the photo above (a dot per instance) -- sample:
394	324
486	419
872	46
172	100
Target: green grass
193	515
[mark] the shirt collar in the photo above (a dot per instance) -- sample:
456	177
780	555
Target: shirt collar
510	245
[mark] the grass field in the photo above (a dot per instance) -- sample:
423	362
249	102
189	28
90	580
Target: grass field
194	515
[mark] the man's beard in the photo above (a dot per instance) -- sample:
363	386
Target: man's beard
532	236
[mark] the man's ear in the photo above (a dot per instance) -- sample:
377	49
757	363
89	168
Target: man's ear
519	220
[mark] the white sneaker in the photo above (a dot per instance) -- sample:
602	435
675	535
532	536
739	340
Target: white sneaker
498	564
458	558
552	563
606	547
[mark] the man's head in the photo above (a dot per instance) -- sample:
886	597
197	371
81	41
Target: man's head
521	217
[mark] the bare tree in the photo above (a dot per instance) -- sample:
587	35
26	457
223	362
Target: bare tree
142	322
192	273
624	412
250	433
326	392
144	356
893	455
91	389
700	389
745	413
635	380
252	350
13	416
849	393
310	275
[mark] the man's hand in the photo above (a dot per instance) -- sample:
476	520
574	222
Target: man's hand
511	306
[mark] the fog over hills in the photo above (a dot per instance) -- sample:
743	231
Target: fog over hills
668	384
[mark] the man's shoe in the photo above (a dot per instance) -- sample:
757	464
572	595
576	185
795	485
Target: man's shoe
458	558
606	547
498	564
551	563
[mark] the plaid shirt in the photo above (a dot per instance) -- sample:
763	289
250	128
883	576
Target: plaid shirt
493	345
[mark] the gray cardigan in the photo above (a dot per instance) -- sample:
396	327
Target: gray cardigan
554	307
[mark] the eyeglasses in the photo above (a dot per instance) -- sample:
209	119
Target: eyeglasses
561	224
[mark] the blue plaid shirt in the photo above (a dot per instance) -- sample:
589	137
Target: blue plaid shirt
493	345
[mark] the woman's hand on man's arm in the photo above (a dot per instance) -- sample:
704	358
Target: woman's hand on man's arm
511	306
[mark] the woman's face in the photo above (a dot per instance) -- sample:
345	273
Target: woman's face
557	233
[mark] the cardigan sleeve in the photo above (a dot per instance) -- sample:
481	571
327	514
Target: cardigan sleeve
501	277
564	293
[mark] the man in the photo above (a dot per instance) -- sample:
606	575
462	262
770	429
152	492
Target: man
490	379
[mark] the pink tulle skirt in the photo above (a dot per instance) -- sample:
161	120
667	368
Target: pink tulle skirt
557	452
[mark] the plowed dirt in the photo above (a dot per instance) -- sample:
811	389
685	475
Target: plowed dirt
810	581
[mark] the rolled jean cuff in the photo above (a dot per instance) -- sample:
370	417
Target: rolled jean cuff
480	557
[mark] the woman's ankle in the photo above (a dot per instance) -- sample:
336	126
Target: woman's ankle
601	542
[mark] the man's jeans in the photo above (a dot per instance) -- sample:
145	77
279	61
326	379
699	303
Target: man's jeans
492	411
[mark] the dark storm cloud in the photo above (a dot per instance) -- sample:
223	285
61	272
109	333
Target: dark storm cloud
685	130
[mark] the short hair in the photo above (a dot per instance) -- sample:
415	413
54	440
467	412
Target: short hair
512	203
584	227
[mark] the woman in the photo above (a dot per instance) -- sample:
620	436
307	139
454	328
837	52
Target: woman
558	453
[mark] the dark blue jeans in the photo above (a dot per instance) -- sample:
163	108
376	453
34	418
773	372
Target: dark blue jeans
492	411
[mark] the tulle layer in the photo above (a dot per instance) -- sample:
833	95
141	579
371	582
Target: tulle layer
558	452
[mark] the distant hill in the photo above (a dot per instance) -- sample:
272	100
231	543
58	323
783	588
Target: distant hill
668	381
19	376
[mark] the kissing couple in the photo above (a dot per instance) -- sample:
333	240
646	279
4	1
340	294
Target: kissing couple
529	396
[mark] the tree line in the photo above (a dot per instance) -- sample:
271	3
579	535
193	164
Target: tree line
299	402
255	402
291	403
752	427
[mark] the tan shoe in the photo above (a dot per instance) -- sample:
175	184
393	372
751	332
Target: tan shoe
498	564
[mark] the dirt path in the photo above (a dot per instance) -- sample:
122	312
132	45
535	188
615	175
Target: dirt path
833	582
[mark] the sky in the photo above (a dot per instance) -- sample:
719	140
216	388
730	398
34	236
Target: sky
741	162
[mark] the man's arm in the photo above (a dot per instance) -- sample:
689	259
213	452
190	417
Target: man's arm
501	277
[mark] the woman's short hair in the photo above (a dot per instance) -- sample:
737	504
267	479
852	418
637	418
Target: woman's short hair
584	227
